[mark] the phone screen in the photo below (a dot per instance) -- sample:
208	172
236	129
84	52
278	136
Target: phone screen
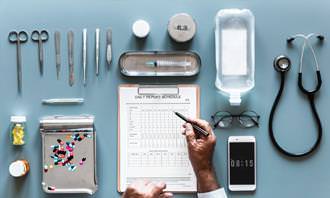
242	163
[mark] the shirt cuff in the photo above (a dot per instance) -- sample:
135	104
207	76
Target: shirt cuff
220	193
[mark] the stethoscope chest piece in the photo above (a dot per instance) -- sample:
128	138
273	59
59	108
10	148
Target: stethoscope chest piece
282	63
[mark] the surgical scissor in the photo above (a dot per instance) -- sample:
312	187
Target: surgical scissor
40	37
18	38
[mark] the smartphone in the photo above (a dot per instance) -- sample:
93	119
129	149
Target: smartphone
242	163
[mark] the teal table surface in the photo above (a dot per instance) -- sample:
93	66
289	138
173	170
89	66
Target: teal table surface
277	175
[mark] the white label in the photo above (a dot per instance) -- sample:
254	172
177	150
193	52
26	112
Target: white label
234	52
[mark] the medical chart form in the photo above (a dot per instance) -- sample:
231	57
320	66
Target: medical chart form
150	141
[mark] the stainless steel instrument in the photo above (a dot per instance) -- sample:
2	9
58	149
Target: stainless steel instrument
58	53
71	57
84	57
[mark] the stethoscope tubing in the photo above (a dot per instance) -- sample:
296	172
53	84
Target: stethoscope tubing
311	96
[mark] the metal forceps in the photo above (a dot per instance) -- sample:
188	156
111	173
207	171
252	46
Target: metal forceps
40	37
18	38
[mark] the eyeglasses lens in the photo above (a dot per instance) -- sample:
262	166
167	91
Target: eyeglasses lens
249	119
223	119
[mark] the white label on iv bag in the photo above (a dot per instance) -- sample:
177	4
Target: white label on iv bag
234	51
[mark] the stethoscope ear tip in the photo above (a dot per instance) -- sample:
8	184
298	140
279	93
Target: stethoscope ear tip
320	37
282	63
289	40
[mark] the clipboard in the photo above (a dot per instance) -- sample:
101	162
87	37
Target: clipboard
155	94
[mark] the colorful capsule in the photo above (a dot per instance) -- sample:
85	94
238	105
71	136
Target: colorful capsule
45	168
52	188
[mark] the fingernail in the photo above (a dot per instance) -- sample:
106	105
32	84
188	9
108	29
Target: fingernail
183	131
161	184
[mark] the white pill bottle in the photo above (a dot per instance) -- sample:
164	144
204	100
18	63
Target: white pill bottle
235	53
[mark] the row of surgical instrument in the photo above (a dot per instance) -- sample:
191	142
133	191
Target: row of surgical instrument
42	36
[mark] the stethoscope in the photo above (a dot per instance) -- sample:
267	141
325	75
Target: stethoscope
282	65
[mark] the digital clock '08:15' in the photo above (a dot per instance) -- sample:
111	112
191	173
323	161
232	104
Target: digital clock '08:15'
241	163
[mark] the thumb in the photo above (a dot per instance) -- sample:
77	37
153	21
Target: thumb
166	195
190	134
157	189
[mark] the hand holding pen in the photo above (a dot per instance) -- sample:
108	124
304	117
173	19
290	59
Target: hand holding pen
200	150
198	129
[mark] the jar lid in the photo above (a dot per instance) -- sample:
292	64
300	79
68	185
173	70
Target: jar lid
17	119
181	27
17	168
141	28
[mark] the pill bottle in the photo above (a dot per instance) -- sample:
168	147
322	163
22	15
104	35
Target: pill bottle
19	168
17	130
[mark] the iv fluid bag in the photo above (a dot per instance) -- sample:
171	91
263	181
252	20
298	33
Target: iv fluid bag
234	42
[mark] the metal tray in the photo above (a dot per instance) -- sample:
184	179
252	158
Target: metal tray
68	154
159	63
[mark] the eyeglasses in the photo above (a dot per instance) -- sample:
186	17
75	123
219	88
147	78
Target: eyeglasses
224	119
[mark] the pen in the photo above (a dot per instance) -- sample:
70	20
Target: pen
197	128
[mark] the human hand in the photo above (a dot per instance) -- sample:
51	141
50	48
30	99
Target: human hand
201	149
144	189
